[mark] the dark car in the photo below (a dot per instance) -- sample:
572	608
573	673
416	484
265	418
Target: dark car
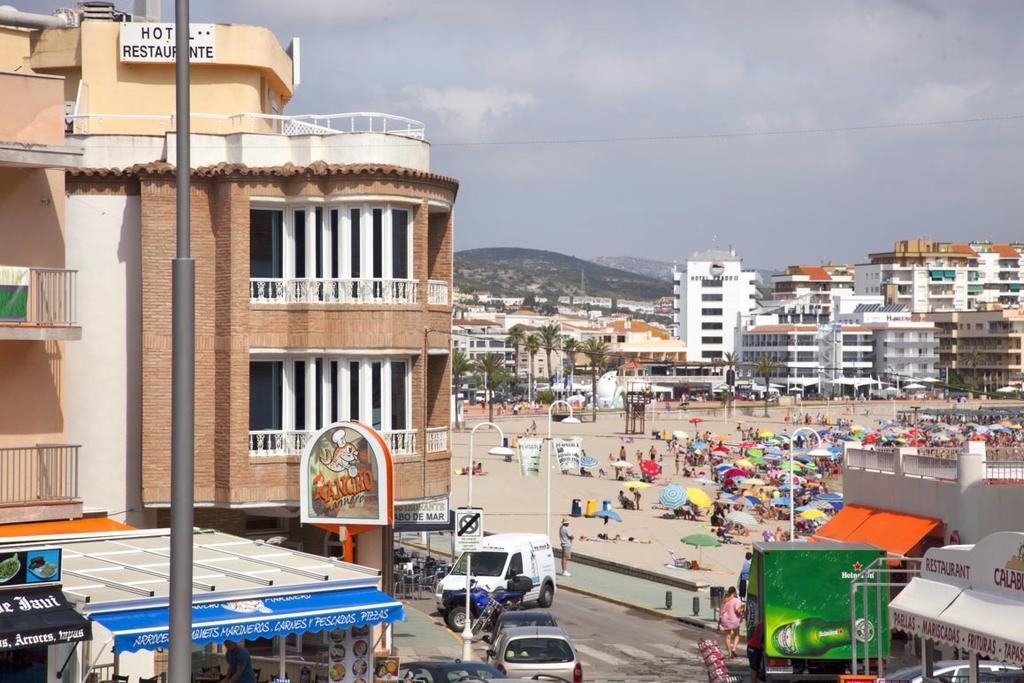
513	619
446	671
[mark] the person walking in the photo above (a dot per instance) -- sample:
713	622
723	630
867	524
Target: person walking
239	664
745	575
730	616
565	540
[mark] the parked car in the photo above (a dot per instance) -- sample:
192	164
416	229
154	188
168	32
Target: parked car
530	617
446	671
543	651
957	672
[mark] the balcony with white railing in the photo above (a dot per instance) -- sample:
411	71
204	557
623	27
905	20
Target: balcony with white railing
39	482
437	439
267	443
401	441
39	304
342	291
437	293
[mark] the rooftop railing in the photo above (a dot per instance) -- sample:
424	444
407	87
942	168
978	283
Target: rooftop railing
40	473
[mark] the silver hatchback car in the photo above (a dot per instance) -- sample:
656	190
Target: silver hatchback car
527	651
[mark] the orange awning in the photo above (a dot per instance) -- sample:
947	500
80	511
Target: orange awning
896	532
845	522
85	525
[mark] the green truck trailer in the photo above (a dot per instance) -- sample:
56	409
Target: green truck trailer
801	591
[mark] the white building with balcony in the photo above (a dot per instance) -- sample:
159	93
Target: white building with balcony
710	295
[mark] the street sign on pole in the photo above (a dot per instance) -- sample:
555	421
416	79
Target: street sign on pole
469	530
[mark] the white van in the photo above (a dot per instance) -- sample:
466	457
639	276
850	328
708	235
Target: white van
502	557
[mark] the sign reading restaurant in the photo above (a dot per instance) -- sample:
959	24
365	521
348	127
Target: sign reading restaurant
155	42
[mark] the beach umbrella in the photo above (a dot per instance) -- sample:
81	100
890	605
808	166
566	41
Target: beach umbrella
813	513
696	420
622	465
698	497
722	497
608	514
830	497
753	500
794	466
698	445
765	434
650	468
744	463
720	449
747	444
722	437
781	501
672	496
733	472
704	481
701	541
636	485
588	462
755	452
744	518
755	482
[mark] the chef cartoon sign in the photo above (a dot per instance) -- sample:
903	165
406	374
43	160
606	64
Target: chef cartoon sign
345	476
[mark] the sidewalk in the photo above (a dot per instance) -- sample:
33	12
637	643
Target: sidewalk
421	636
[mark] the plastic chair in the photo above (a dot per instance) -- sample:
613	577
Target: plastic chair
119	678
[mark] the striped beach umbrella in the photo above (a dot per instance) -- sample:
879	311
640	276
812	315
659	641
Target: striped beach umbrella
672	496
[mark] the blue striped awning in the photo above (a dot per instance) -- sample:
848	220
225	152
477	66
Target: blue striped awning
215	622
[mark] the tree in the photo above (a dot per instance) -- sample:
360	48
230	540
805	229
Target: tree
516	338
765	366
461	366
532	347
491	373
731	361
972	359
596	352
549	341
569	347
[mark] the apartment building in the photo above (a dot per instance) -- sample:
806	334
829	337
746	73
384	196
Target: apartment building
710	295
39	323
906	344
817	284
982	347
323	249
1000	274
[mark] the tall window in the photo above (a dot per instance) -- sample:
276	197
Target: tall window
355	254
377	244
299	217
265	395
376	381
266	238
399	395
399	243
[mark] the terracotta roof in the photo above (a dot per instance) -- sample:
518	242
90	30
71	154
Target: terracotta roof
317	168
1005	250
815	272
475	322
963	249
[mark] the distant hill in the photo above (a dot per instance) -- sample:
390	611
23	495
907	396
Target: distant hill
510	271
659	270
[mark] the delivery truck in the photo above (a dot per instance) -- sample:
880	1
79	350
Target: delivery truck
801	591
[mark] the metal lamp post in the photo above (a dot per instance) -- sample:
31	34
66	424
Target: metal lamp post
569	420
792	455
467	629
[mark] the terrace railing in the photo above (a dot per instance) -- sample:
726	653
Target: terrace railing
44	472
882	460
332	291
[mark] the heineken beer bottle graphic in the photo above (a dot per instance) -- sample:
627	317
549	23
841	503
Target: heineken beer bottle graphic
814	637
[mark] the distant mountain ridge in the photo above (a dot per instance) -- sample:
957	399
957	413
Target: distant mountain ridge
514	271
659	270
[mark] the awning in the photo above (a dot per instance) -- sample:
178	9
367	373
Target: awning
39	616
215	622
987	624
85	525
917	608
897	532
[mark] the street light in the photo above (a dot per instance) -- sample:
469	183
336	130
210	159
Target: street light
817	452
467	629
568	420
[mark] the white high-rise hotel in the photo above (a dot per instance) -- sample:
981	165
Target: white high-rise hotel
710	295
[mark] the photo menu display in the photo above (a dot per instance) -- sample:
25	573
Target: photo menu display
350	655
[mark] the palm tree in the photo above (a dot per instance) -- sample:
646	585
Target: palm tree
972	359
461	366
569	347
516	338
549	341
532	347
596	352
491	373
765	366
731	361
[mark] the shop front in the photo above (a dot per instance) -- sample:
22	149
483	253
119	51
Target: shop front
39	629
969	599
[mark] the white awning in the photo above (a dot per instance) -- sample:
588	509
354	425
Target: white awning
918	606
989	625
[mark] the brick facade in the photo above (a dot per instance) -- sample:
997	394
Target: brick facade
228	325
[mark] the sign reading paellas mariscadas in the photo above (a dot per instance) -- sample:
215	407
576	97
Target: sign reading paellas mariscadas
345	476
155	42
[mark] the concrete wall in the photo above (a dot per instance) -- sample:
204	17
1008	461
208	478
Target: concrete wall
14	47
104	383
38	118
969	505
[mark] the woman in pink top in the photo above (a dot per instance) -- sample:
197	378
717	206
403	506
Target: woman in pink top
730	616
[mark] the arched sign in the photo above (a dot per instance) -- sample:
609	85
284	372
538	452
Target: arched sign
345	477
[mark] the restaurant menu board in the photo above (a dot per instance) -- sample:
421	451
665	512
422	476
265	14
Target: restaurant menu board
350	655
27	567
386	670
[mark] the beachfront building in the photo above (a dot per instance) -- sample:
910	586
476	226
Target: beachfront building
39	322
710	295
815	284
323	250
636	340
983	347
1000	274
906	344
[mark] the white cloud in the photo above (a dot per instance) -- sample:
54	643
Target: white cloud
466	112
936	102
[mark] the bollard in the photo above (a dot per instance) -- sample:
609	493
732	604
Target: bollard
668	599
696	605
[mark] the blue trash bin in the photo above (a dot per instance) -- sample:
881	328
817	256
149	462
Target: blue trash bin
606	505
577	508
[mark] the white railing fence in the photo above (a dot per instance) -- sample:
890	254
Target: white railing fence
930	467
284	442
401	442
437	439
1004	471
437	293
332	291
880	460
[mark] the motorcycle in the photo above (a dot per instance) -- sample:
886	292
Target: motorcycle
486	606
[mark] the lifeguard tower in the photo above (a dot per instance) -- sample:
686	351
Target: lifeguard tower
638	396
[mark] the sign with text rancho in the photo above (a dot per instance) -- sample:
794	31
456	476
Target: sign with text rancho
345	477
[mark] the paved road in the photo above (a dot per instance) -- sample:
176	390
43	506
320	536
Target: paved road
616	643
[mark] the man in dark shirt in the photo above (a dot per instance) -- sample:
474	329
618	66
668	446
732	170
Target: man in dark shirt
239	664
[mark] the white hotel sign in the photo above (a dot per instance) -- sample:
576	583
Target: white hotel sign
152	42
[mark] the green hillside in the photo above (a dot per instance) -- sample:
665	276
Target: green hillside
509	271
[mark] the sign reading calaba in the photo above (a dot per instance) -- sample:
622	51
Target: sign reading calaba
29	567
529	449
155	42
345	476
806	595
568	450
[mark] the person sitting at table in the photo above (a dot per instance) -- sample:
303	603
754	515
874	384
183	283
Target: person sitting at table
239	664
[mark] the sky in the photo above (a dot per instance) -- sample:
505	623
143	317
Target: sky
537	107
